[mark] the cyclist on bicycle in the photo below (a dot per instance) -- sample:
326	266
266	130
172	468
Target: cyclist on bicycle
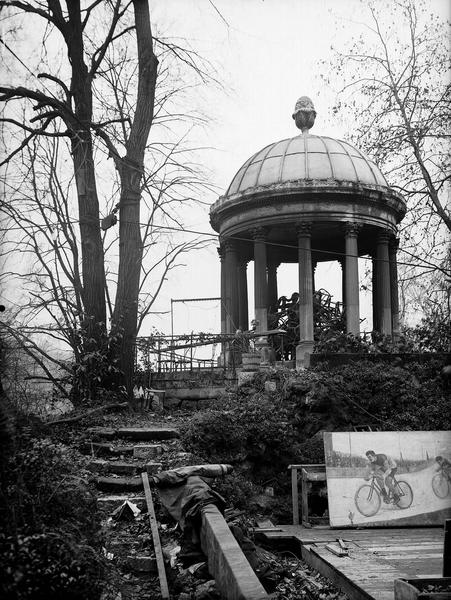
444	464
383	468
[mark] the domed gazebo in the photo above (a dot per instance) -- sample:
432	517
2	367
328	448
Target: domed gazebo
307	199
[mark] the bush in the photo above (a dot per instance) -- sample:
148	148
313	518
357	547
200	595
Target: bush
394	397
49	567
45	489
253	428
237	489
50	524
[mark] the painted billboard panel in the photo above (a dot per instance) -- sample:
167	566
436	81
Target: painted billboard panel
389	478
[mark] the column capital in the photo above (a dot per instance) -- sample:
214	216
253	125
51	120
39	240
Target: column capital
351	229
221	251
393	243
230	245
259	234
303	228
383	237
273	263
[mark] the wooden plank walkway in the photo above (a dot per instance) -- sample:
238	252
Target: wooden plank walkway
376	556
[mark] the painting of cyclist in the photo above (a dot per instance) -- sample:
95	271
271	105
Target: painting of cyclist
444	464
383	467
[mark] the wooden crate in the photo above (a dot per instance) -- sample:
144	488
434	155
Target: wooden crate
309	473
416	589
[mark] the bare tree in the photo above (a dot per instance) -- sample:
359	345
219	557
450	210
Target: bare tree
394	79
102	99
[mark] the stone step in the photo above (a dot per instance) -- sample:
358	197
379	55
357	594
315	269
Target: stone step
119	484
104	449
148	433
98	433
109	502
147	451
119	467
134	433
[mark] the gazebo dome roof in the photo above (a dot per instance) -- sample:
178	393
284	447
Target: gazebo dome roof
306	157
312	178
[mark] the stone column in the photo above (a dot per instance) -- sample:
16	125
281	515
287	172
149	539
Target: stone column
392	252
231	304
221	253
243	308
351	287
383	284
375	295
260	279
314	265
272	285
305	346
341	262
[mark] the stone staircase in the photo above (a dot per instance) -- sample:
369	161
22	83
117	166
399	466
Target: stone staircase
118	462
117	457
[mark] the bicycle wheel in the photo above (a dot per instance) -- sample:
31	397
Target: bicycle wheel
440	485
367	500
405	494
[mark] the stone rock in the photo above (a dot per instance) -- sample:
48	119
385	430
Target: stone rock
98	466
153	467
147	451
157	404
270	386
205	403
245	376
207	591
142	564
169	403
189	405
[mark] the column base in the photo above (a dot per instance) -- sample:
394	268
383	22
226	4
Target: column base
262	346
303	351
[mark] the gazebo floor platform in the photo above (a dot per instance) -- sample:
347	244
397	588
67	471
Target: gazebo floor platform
376	557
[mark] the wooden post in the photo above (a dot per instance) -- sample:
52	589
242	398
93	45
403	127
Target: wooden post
304	497
156	538
447	549
294	494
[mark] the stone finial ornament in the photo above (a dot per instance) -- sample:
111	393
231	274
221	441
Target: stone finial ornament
304	114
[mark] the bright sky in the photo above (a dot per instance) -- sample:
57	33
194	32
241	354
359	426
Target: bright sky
267	53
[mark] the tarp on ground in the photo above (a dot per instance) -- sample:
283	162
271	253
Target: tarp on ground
185	490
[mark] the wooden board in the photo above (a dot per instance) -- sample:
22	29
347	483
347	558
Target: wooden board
376	556
156	538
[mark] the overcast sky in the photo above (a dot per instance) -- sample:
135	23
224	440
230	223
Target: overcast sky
267	53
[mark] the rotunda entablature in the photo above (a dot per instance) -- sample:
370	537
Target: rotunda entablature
313	200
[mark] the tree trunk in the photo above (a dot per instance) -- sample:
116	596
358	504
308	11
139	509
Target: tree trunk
130	244
91	242
93	269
